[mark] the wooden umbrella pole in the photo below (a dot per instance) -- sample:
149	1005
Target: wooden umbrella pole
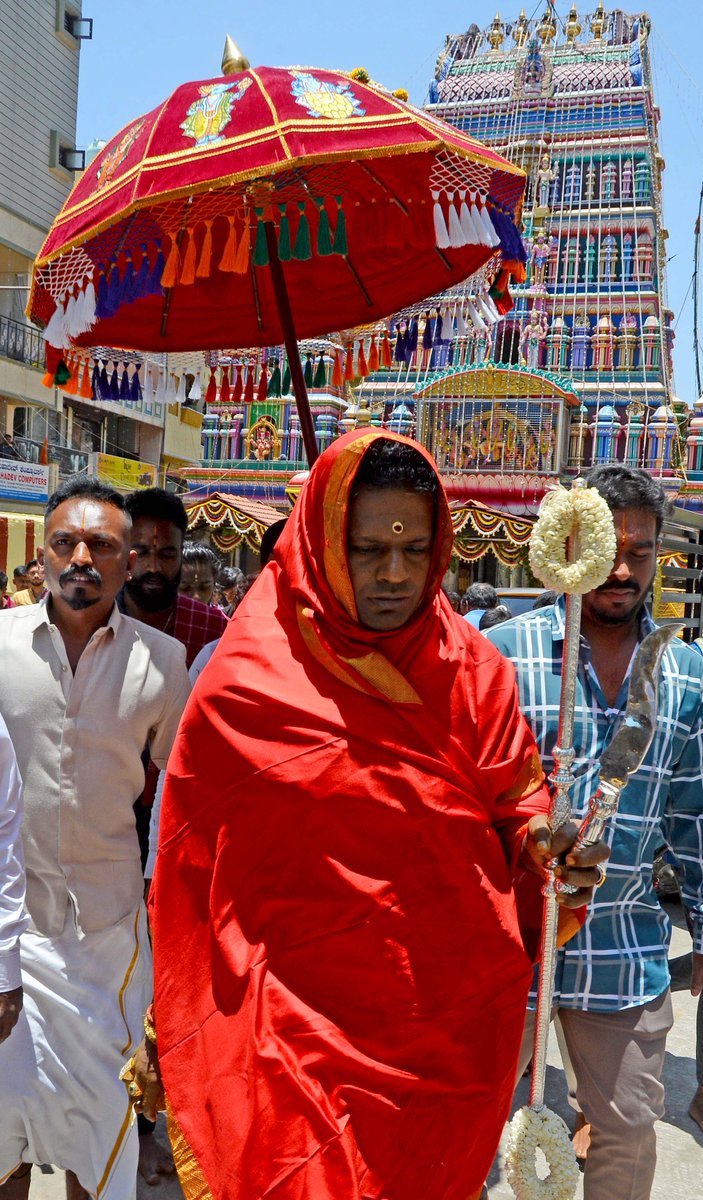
280	290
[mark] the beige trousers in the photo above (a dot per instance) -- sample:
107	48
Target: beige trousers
617	1058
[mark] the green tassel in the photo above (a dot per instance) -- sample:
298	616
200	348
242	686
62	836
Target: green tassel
320	380
284	252
62	374
261	252
324	233
307	372
302	249
274	385
340	234
285	387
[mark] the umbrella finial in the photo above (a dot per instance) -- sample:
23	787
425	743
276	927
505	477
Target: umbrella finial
232	58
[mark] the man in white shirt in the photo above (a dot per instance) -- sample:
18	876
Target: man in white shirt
85	689
13	919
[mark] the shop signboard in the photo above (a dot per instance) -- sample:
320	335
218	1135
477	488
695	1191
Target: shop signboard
123	473
24	481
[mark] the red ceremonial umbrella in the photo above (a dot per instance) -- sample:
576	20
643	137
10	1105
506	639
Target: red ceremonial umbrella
268	205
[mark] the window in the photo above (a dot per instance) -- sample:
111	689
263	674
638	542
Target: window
64	159
70	27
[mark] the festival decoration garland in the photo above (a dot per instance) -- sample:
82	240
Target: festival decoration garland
583	513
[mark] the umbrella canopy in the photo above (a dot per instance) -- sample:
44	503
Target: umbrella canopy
167	241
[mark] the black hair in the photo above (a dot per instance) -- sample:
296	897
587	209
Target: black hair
158	504
33	562
630	487
85	487
227	577
481	595
495	616
195	553
545	598
269	538
390	464
21	570
3	581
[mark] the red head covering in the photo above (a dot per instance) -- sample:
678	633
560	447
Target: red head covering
340	978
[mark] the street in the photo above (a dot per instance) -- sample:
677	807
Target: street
680	1141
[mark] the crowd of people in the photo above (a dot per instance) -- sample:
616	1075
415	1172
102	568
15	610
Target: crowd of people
345	783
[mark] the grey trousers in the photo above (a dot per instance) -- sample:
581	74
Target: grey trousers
617	1058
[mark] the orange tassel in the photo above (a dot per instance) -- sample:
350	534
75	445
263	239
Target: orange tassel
374	360
70	387
86	388
241	262
337	375
386	352
48	380
187	275
229	254
205	264
361	365
349	363
170	274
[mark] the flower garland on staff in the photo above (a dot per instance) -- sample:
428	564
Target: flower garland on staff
572	549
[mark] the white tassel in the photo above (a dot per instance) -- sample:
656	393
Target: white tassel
148	395
56	333
481	303
462	329
170	395
447	333
160	391
492	238
181	389
88	307
467	223
70	316
477	219
441	235
456	233
476	317
491	306
196	391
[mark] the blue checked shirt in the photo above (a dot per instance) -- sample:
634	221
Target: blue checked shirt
619	958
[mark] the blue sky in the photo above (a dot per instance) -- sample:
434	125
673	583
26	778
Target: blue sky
142	50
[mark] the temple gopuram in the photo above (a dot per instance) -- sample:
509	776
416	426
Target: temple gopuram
579	372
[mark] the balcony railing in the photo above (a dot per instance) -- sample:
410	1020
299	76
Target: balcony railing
22	344
70	461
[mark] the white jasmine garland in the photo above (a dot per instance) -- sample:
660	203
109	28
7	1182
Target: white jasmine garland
580	512
540	1128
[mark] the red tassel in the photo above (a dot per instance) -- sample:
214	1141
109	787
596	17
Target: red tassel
238	388
349	363
249	389
224	387
262	390
362	369
337	373
205	263
229	254
86	388
374	360
386	352
187	275
241	261
170	273
211	392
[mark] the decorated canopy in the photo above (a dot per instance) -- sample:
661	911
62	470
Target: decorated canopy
479	530
231	519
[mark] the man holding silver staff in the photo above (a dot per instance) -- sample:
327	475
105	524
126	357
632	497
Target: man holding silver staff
612	980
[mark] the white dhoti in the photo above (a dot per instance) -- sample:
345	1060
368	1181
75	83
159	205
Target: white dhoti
61	1101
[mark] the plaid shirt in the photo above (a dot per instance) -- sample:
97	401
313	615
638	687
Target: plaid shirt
619	959
196	624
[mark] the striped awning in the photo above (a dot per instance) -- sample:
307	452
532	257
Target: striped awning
20	534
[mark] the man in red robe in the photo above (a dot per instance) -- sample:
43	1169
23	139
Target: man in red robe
353	806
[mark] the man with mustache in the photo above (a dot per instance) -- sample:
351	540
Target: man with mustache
151	595
612	980
159	524
86	689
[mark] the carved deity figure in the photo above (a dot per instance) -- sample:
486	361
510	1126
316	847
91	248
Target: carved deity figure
533	338
546	174
539	257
